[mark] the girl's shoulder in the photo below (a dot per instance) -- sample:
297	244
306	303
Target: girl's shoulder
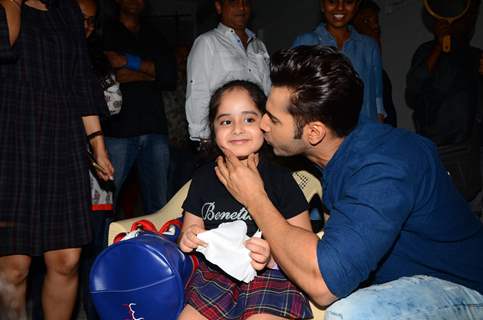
205	171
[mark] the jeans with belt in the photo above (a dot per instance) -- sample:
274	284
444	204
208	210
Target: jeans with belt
150	153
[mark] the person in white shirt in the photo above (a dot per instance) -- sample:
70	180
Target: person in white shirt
228	52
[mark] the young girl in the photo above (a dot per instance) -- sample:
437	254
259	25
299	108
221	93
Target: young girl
235	113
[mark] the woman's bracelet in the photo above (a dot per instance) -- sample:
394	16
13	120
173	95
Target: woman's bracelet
94	134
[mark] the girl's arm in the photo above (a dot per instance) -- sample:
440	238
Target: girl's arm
192	225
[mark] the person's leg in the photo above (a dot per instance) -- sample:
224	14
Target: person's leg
417	297
122	153
190	313
59	291
14	271
153	166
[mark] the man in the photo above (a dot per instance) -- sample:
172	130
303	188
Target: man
366	22
400	241
138	134
335	30
228	52
442	87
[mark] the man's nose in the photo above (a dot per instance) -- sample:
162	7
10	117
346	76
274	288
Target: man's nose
242	4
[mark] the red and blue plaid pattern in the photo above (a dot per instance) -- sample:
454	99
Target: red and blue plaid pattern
218	296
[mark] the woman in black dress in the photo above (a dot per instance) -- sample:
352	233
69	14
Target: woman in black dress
49	102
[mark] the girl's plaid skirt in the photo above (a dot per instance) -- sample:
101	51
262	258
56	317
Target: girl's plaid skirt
216	295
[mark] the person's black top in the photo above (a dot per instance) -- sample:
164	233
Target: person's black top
209	199
142	109
445	101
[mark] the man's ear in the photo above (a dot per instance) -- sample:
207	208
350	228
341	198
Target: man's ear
315	132
218	7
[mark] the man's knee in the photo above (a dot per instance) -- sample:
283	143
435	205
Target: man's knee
361	304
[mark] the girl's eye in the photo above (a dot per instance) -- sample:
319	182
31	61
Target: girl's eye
225	122
250	120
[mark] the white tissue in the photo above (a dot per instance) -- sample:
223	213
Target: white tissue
227	250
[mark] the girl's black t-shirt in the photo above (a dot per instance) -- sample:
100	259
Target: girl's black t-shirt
209	199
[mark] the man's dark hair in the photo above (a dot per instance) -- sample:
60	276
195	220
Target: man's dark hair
325	87
369	4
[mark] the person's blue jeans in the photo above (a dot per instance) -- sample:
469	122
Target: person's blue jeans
150	153
414	298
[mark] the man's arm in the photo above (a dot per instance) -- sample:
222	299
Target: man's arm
294	248
418	77
124	75
146	71
198	89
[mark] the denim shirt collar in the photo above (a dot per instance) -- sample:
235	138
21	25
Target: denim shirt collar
322	31
341	151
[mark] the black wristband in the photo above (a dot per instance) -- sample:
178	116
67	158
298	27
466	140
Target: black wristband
94	134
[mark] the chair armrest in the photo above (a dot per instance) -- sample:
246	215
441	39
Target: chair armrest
171	210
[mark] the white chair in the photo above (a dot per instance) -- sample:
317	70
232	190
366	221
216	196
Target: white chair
308	183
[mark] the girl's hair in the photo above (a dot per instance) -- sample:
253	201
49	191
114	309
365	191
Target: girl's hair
253	90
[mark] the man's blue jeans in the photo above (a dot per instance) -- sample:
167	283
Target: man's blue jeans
150	153
415	298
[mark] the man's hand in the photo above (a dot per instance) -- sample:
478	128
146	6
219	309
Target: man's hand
116	60
442	28
242	181
189	240
125	75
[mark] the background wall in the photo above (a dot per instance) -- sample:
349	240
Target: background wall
277	22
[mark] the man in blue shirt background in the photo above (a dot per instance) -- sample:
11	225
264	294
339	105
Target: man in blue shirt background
401	242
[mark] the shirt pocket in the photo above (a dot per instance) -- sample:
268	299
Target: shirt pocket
231	61
262	62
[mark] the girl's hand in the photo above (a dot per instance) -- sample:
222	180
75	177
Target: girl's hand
259	252
189	240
